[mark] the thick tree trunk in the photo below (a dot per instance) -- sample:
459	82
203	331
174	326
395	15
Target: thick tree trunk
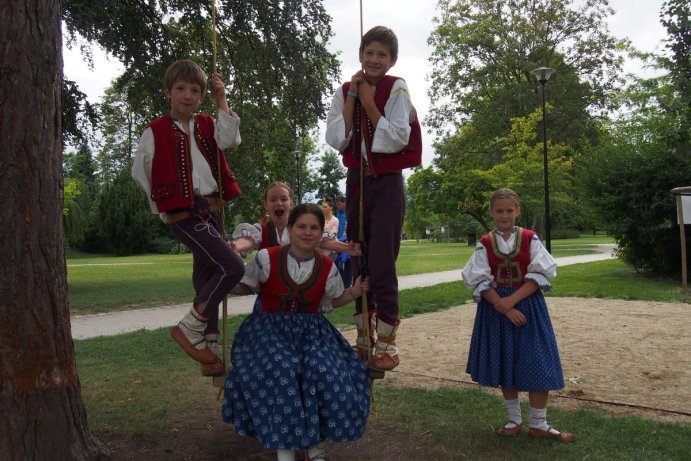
43	415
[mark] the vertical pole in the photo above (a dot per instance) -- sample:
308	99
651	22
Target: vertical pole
682	232
548	231
298	166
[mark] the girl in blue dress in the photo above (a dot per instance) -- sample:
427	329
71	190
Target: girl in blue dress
295	380
513	344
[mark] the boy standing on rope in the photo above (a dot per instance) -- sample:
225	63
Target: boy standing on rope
373	124
177	165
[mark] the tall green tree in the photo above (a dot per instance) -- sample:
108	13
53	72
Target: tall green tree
329	175
645	154
484	51
272	55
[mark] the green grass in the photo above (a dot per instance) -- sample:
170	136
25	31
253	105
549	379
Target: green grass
142	383
101	283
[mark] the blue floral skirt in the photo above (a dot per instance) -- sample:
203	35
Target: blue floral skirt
295	381
525	358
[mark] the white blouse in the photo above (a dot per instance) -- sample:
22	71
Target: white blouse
478	277
254	232
392	131
226	134
258	269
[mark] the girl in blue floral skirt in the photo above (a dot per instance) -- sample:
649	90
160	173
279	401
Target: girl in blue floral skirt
513	344
295	380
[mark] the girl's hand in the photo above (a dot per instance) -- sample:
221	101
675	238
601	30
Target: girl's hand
504	304
359	286
354	249
516	317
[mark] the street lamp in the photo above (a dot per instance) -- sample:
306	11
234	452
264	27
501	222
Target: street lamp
543	74
297	155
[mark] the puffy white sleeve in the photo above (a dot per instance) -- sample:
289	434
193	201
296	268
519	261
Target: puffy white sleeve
542	265
227	130
142	164
393	129
334	289
477	274
253	231
335	125
257	271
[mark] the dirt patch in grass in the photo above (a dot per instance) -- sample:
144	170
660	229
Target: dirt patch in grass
627	357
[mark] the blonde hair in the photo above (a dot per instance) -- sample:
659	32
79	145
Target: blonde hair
184	70
278	184
504	193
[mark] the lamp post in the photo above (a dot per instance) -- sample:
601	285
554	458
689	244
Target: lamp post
297	154
543	74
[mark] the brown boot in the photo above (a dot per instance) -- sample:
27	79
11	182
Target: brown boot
189	334
217	368
361	341
213	369
385	356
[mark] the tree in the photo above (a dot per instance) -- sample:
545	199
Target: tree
329	175
44	415
272	54
644	155
484	51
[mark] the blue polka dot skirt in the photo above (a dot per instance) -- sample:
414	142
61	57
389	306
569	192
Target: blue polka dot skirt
295	382
524	358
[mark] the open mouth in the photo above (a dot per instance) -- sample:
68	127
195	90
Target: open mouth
279	213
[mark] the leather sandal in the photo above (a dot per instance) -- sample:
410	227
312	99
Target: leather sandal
510	431
200	355
383	362
213	369
565	437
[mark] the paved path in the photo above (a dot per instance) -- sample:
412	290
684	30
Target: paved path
115	323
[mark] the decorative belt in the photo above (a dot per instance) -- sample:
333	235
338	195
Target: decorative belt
214	203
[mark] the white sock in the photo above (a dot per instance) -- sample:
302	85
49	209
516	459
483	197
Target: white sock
317	453
513	406
538	419
285	454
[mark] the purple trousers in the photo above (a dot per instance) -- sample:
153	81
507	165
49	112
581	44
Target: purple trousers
216	269
384	210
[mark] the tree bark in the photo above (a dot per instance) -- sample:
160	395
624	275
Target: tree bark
43	416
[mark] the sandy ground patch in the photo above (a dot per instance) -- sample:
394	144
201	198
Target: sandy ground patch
612	351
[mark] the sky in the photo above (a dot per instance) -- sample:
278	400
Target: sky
412	21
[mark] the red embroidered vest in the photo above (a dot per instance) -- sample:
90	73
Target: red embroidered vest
281	294
509	270
269	237
171	171
380	163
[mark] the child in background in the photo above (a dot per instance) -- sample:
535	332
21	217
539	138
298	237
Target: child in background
295	380
278	201
513	345
373	124
176	165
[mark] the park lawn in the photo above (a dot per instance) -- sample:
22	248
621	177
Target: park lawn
101	283
141	383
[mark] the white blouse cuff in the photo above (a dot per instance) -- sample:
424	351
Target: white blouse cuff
481	288
248	230
540	279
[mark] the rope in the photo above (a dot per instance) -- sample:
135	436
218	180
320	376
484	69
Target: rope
219	180
553	394
361	237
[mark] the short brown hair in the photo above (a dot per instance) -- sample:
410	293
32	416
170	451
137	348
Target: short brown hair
383	35
184	70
